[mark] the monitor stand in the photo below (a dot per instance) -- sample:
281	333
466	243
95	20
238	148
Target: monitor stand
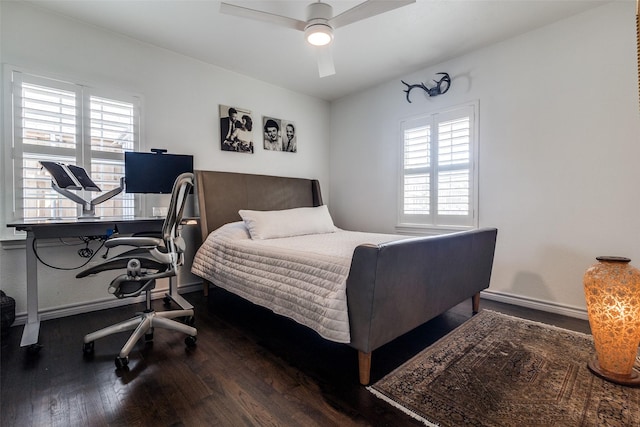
89	206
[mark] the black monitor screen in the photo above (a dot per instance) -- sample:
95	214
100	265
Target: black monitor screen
154	172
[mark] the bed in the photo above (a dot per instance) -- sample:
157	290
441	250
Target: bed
387	287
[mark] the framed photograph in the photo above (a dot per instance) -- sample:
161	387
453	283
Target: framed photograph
279	135
272	137
236	129
289	137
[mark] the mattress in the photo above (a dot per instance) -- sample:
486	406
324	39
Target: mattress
301	277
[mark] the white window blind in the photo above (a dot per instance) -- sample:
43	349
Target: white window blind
74	124
113	130
437	180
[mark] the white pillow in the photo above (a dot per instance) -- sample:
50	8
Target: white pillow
288	222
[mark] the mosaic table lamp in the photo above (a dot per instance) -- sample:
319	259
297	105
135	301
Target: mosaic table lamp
612	290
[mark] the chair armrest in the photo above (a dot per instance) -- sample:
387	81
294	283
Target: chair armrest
138	242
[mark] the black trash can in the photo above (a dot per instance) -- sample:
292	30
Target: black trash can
7	313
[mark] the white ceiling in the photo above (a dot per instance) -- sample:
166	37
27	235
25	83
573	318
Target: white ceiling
366	53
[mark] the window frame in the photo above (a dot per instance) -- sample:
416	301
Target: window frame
433	223
12	153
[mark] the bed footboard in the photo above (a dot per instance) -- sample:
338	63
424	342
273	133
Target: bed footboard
394	287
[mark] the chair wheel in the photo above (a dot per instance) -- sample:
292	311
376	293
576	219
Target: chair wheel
190	341
34	349
122	362
88	348
167	301
148	337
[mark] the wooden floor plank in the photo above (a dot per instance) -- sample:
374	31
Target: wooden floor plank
250	368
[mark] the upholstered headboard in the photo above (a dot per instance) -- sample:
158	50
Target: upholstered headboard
222	194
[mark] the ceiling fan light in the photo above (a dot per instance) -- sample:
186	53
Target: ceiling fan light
319	34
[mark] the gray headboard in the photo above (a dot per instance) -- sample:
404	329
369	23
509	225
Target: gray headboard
222	194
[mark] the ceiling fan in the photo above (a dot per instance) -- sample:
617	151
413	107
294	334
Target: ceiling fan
320	23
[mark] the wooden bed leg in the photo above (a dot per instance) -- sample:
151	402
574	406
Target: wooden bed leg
364	367
475	303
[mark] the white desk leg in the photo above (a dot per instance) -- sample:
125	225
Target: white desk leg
32	328
175	296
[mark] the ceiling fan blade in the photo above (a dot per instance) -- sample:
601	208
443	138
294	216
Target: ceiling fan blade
366	10
244	12
325	61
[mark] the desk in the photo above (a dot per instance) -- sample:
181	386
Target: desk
46	229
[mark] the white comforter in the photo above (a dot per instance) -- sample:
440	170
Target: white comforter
302	277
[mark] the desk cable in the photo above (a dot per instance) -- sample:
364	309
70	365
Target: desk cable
85	252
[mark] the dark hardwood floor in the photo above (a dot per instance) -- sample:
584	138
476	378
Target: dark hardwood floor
250	368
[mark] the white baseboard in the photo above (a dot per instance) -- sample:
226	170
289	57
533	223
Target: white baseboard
101	304
550	307
70	310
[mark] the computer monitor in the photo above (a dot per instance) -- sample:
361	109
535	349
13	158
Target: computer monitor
69	177
154	172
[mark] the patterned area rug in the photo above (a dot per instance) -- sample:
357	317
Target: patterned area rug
498	370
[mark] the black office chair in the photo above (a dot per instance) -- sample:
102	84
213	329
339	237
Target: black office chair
153	258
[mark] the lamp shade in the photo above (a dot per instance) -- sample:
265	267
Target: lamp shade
319	34
612	291
318	31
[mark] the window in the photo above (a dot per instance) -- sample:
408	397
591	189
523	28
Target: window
68	123
438	180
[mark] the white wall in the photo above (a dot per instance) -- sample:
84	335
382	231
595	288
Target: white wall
559	150
559	139
180	113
